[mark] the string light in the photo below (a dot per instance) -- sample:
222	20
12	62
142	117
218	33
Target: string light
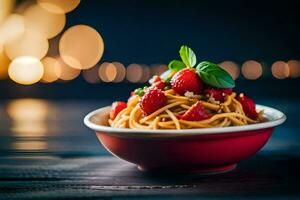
81	47
107	72
146	74
4	63
25	70
252	69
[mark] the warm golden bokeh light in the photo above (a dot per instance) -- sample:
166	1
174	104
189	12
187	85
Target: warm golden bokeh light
294	68
232	68
107	72
23	6
52	70
30	43
121	72
91	75
81	47
280	70
6	6
146	74
252	69
67	73
134	73
4	63
26	70
27	110
158	69
59	6
12	27
44	22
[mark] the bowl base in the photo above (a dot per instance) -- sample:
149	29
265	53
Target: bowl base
198	170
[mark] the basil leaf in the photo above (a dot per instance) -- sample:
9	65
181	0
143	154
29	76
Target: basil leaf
188	56
214	75
176	65
139	92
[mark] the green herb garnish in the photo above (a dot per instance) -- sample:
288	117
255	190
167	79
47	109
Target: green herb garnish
176	65
139	92
188	56
214	75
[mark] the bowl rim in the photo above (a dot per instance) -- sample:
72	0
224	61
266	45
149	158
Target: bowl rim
279	118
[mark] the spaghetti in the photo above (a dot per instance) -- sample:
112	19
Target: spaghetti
222	114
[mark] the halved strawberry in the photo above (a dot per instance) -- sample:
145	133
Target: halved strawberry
248	106
186	80
218	94
152	100
117	107
195	113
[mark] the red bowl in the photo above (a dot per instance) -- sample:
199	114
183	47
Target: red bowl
206	150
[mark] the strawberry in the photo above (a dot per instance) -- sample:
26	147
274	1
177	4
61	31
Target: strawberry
117	107
218	94
186	80
248	106
157	82
195	113
152	100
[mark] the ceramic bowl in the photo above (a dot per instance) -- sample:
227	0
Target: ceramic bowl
205	150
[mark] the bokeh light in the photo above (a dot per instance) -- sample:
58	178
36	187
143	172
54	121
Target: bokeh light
158	69
26	70
12	27
81	47
67	73
44	22
280	70
294	68
4	63
252	69
232	68
91	75
6	7
107	72
121	72
52	70
134	73
146	74
30	43
59	6
23	6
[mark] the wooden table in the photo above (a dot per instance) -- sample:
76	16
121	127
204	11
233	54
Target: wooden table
52	155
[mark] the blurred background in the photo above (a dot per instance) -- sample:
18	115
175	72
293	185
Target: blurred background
61	59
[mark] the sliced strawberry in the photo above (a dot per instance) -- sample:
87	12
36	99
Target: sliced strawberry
195	113
248	106
117	107
152	100
186	80
218	94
